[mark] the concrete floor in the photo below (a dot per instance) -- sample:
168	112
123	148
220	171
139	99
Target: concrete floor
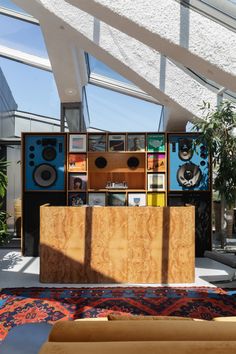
19	271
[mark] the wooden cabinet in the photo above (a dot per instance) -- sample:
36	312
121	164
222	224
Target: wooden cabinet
117	245
116	169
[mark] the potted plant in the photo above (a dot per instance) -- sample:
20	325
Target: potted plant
4	235
218	131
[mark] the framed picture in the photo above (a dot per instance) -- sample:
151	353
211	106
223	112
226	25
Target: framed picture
136	142
116	199
77	181
136	199
97	199
156	182
156	142
77	143
97	142
156	199
156	162
116	142
77	162
77	199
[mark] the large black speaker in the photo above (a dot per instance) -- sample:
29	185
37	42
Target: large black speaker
203	227
44	182
188	163
31	209
44	162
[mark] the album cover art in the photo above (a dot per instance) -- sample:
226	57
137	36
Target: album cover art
156	162
136	142
77	162
97	199
97	142
156	142
77	199
136	199
116	142
116	199
156	182
77	181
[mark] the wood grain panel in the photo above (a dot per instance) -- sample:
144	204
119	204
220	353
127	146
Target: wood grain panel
116	162
117	244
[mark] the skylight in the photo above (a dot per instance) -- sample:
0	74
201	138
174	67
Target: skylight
11	6
100	68
34	90
22	36
116	112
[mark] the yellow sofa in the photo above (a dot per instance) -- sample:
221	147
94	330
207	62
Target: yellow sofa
141	337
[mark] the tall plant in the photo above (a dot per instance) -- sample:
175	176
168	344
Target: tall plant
218	128
4	235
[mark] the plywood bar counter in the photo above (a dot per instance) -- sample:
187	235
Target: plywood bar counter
117	244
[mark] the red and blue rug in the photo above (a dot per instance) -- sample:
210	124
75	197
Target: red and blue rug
27	305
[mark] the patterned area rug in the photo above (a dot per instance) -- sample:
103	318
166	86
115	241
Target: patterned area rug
27	305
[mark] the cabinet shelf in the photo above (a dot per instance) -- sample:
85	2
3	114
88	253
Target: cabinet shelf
97	169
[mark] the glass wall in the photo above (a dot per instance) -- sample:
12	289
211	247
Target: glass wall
34	90
113	111
22	36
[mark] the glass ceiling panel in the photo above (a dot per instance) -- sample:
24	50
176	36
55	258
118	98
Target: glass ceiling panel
112	111
215	87
100	68
227	7
11	6
23	36
34	90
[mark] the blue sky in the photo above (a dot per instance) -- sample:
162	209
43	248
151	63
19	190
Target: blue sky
35	90
112	111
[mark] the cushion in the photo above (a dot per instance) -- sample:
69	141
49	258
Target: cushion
93	319
105	331
228	259
112	317
140	347
225	319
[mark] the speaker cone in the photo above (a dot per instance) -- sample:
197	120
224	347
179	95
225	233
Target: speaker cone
189	175
185	149
133	162
45	175
49	153
100	162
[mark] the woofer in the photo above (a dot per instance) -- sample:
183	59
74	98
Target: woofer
100	162
189	175
45	175
133	162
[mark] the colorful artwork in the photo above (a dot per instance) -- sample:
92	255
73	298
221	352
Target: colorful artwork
156	142
77	199
116	142
156	162
156	182
77	162
97	199
116	199
97	142
136	142
136	199
78	181
78	143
